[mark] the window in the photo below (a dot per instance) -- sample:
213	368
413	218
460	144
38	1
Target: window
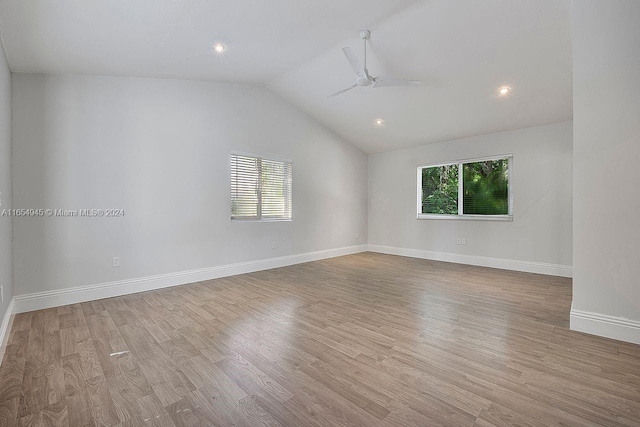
260	188
471	189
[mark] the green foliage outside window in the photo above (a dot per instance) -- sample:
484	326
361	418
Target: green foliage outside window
486	187
440	190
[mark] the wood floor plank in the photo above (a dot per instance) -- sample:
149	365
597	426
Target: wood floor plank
11	376
250	378
362	340
283	414
103	409
183	414
56	415
9	412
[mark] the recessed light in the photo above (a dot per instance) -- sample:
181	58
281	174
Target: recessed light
379	122
218	47
504	90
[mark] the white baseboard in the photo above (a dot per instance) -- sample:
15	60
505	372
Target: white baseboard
502	263
56	298
617	328
5	328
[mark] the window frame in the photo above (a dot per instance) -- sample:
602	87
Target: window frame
460	215
258	217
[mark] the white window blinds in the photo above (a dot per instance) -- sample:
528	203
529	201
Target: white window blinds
260	188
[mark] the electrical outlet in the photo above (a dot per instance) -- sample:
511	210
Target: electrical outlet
458	241
273	244
115	262
464	241
356	235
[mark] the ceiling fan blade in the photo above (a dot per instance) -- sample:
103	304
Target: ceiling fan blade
342	91
353	61
388	81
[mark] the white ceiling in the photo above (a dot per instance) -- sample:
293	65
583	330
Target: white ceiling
173	38
464	50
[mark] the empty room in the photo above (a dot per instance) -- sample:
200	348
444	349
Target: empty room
319	213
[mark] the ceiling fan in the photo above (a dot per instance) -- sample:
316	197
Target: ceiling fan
364	79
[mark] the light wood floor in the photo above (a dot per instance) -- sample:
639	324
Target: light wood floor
362	340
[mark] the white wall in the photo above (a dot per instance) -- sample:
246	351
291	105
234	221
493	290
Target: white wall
6	227
541	229
159	149
606	157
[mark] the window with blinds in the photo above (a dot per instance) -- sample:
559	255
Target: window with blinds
478	188
260	188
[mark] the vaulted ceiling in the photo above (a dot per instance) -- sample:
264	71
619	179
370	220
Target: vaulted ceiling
173	38
463	50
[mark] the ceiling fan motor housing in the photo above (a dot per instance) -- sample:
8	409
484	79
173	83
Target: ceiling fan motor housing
364	79
361	81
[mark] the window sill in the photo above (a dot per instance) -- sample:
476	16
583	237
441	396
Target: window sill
507	218
260	220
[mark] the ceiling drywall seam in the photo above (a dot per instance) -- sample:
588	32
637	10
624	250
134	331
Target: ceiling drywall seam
4	49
